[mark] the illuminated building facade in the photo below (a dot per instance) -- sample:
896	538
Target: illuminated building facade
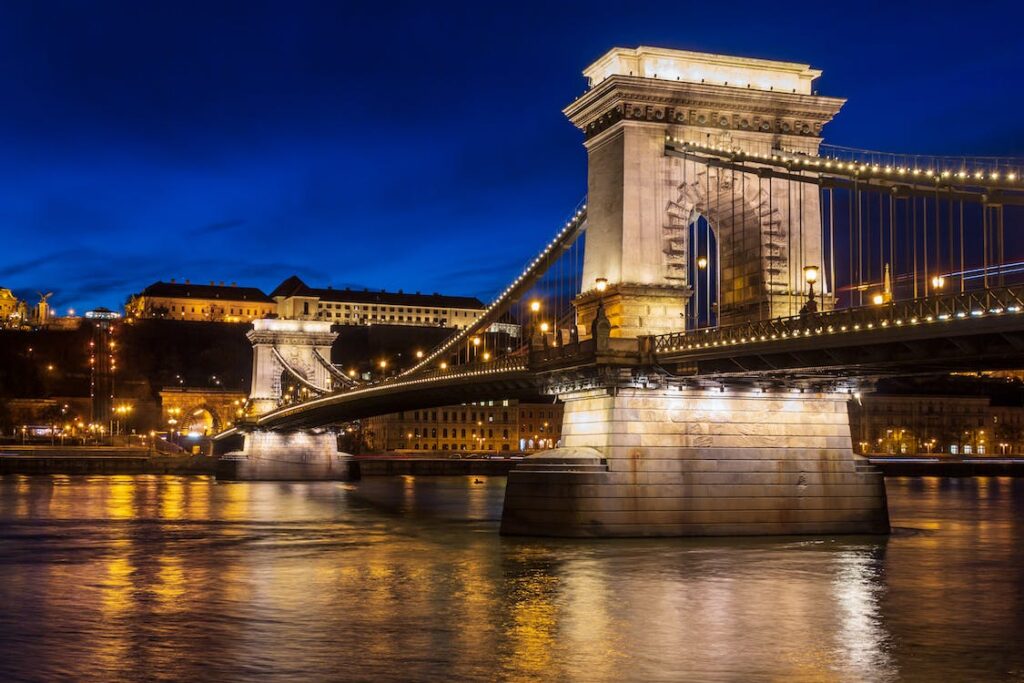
923	424
210	303
10	308
491	426
298	301
195	411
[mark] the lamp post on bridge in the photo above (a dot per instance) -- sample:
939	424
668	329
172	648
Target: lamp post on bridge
810	308
702	264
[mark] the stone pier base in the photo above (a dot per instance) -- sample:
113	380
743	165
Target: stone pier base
285	456
666	462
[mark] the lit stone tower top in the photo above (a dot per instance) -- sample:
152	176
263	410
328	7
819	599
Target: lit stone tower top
755	104
643	200
702	67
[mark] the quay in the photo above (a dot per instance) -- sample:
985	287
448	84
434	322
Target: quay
935	466
38	459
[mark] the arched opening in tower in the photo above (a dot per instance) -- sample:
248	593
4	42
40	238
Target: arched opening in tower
705	273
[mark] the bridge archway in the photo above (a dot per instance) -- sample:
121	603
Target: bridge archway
704	272
763	232
202	420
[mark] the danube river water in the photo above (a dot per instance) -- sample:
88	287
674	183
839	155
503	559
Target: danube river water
151	578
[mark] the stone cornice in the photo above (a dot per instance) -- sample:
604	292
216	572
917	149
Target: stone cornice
283	338
695	104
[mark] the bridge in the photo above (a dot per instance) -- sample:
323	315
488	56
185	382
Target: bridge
729	285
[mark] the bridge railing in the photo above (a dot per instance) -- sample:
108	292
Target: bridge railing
964	305
923	161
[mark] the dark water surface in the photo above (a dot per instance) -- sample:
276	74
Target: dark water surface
165	578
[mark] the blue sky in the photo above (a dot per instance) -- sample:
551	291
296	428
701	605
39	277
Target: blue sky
418	146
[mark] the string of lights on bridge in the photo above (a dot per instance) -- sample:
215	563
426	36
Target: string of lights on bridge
855	169
568	232
827	329
397	384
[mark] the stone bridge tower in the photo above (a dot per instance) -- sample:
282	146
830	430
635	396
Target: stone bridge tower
653	454
642	200
300	349
295	343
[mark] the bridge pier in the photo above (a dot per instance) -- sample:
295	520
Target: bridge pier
693	462
282	456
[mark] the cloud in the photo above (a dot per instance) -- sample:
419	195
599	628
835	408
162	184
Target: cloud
37	263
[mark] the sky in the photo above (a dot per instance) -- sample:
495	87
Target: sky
415	146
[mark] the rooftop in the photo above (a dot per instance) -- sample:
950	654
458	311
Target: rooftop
294	286
189	290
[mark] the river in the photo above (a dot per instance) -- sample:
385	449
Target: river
154	578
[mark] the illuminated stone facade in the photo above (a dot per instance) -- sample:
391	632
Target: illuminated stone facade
208	303
665	462
300	349
900	424
10	308
298	301
493	426
198	411
649	455
643	201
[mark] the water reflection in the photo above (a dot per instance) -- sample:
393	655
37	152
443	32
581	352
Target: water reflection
166	578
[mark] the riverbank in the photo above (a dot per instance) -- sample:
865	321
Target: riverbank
120	460
949	467
389	466
100	460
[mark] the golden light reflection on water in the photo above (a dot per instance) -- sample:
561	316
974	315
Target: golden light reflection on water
197	580
121	497
172	499
532	630
170	586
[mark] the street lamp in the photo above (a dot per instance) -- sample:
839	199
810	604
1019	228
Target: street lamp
810	277
878	299
601	284
938	282
535	305
702	262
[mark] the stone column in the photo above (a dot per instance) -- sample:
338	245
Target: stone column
693	462
296	341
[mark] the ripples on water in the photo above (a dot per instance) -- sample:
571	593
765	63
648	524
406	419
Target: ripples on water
166	578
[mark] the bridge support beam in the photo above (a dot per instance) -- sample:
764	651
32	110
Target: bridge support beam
698	463
283	456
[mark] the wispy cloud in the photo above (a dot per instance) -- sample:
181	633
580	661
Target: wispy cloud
30	265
